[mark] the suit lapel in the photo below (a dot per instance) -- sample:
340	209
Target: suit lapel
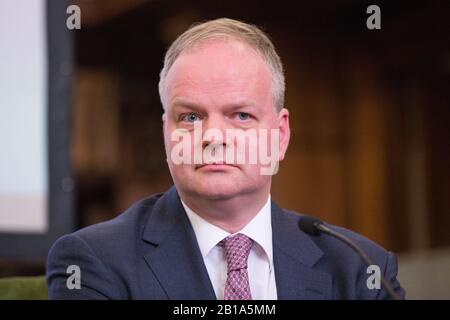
174	256
295	255
175	260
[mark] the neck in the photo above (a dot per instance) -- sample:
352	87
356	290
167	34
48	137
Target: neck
229	214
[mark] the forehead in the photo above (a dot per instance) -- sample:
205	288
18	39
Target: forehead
219	71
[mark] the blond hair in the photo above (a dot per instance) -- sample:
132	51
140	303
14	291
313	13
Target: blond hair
225	28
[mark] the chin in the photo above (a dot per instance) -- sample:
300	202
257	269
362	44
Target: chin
217	189
213	188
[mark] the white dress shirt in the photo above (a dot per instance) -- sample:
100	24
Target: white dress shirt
260	260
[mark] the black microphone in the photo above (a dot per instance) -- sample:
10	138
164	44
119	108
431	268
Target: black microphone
314	227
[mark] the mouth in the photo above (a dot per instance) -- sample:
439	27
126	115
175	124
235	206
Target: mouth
215	166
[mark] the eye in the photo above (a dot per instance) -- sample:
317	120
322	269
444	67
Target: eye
243	116
190	117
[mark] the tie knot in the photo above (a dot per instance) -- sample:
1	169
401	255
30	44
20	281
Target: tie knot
237	249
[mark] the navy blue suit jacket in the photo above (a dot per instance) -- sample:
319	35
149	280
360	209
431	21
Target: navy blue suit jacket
151	252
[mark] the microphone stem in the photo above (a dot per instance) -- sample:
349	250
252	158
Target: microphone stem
361	253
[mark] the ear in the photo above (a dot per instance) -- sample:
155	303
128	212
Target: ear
285	132
164	119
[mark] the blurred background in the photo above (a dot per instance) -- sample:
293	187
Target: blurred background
369	113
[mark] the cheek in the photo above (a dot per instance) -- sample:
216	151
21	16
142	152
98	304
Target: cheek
166	134
168	130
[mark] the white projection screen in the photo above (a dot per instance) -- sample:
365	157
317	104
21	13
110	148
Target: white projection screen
34	126
23	123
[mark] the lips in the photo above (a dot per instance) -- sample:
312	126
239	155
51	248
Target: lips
215	165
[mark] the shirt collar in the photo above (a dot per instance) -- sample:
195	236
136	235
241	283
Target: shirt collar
259	229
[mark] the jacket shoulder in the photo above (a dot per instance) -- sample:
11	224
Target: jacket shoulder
118	229
105	252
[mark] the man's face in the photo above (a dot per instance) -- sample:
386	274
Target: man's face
226	85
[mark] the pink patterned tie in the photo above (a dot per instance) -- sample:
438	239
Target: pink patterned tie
237	249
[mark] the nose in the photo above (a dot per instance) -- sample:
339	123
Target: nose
214	131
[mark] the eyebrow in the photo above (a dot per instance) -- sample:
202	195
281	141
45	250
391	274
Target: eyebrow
244	104
186	104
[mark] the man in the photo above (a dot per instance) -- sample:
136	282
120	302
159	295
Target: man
216	234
